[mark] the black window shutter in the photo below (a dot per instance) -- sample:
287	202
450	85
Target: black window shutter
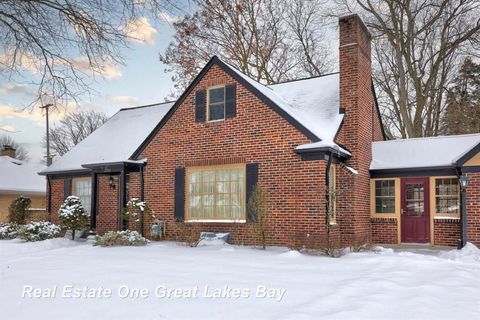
179	206
67	188
200	105
251	181
230	101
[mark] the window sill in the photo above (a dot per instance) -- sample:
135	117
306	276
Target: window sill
216	221
446	218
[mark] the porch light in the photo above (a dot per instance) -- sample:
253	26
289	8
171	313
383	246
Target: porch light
111	182
463	182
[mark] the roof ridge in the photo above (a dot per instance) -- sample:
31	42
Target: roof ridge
145	106
307	78
430	138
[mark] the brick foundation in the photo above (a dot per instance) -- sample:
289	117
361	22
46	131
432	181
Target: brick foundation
384	230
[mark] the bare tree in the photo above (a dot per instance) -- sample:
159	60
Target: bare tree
72	129
269	40
417	48
61	44
20	152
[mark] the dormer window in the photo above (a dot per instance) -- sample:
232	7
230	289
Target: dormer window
216	103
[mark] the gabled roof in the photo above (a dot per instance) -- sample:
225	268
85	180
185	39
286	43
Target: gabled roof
18	176
115	141
310	105
442	151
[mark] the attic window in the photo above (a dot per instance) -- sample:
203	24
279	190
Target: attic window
216	103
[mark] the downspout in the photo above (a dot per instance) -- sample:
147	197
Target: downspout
327	188
49	198
122	197
142	196
463	213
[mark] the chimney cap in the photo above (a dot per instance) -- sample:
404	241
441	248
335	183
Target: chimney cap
356	17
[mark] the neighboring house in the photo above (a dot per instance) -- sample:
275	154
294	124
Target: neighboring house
308	143
19	178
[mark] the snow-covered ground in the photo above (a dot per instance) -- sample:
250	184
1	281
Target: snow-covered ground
383	285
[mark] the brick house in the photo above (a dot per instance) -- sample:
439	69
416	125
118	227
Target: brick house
316	146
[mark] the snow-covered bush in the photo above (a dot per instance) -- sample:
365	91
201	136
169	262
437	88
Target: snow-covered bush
135	207
37	231
17	211
73	215
120	238
8	231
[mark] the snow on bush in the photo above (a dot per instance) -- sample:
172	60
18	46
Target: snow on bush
73	215
8	231
133	209
120	238
37	231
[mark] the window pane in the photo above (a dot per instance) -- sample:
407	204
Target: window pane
216	193
82	188
217	111
217	95
447	196
216	104
385	196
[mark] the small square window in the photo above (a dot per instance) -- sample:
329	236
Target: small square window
216	104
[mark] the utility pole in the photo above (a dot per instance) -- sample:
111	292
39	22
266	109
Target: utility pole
49	157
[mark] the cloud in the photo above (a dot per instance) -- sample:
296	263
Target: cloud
109	69
11	88
34	65
35	115
140	30
7	127
124	100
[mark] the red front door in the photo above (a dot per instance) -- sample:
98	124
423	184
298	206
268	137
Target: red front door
415	210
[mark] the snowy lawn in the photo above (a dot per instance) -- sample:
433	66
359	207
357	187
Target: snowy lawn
385	285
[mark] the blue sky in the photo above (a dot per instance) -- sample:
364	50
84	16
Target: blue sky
141	81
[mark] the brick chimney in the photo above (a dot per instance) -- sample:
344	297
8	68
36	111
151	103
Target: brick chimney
360	127
8	151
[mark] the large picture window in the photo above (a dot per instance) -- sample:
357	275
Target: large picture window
216	193
385	196
216	103
82	188
447	196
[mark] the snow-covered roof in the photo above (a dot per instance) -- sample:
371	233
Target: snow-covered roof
115	141
312	102
20	177
442	151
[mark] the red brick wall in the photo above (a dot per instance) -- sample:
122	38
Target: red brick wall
446	232
384	230
108	214
57	199
257	134
359	129
473	208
